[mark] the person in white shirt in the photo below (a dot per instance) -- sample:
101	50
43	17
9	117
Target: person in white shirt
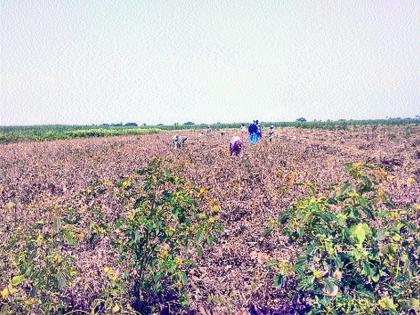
178	141
271	133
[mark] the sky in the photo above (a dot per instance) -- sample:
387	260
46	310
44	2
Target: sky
92	62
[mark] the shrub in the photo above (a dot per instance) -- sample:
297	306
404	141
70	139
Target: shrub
42	270
160	234
358	252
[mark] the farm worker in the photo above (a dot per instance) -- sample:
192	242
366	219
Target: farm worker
271	133
259	134
175	141
235	145
253	129
243	131
179	141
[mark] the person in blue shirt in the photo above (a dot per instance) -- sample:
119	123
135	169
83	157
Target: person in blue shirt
253	130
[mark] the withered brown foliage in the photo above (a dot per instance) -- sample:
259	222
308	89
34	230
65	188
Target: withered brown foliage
232	275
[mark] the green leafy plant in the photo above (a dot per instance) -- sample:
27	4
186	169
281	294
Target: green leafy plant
113	298
165	227
42	270
358	253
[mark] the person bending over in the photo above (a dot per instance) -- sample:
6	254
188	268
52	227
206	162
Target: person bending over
235	146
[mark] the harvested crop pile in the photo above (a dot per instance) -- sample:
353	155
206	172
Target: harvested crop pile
232	276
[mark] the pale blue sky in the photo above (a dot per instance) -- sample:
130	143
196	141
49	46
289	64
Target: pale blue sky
79	62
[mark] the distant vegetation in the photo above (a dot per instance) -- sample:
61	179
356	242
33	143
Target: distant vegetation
84	133
131	124
55	132
329	124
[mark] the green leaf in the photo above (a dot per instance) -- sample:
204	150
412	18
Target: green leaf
359	232
363	201
271	263
396	237
199	235
69	237
329	247
324	301
367	185
184	301
283	217
357	254
344	189
348	167
183	277
16	280
367	270
119	222
327	216
278	280
210	240
266	232
332	201
387	303
383	214
375	278
138	202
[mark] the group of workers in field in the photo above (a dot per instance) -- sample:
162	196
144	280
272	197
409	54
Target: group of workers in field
253	132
